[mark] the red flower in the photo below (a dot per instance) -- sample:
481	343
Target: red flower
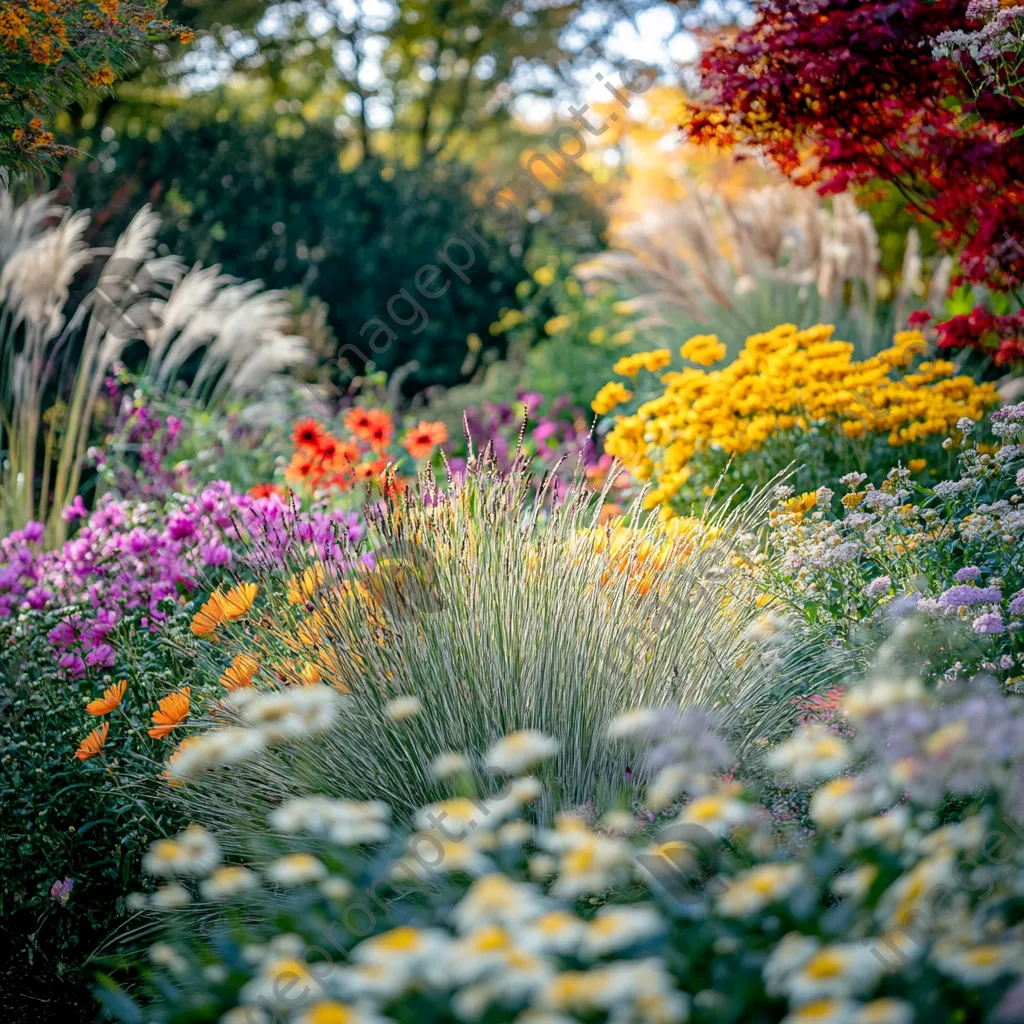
308	435
381	429
421	440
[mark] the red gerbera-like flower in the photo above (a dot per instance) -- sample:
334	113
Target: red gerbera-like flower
308	435
421	440
381	429
359	422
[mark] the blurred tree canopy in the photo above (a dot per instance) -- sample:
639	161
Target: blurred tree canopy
410	80
269	199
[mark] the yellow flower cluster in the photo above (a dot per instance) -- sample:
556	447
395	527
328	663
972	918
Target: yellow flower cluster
703	349
652	362
782	380
611	395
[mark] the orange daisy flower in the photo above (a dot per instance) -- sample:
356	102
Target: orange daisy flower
421	440
209	616
111	699
359	422
371	470
173	709
381	429
266	490
93	743
240	672
309	435
238	600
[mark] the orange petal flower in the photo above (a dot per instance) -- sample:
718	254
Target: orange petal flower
421	439
93	743
308	434
111	699
173	708
240	672
238	600
210	616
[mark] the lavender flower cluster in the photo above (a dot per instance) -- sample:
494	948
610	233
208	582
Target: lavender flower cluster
135	557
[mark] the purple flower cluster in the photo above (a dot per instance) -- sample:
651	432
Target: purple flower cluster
135	557
965	595
554	432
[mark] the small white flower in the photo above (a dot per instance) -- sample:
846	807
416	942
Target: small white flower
444	766
229	881
665	787
633	725
824	1011
296	869
520	751
885	1011
336	888
811	753
977	965
403	709
616	928
193	852
495	899
751	891
171	896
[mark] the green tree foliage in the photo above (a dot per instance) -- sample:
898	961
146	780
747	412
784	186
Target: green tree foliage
269	200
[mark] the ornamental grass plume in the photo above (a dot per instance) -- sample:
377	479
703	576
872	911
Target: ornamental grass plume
137	296
483	609
742	263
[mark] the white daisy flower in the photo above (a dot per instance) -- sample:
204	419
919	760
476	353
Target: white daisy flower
377	982
336	888
633	725
838	971
977	965
403	709
447	765
717	813
229	881
287	982
871	698
837	802
556	931
824	1011
193	852
885	1011
515	833
293	714
811	754
496	899
404	945
520	751
616	928
666	786
213	749
328	1011
247	1014
751	891
170	897
296	869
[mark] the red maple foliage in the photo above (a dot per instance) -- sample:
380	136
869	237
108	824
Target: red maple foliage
847	92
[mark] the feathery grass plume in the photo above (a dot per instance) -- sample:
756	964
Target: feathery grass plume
748	262
42	249
500	610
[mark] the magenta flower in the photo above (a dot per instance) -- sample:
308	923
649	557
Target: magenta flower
61	890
